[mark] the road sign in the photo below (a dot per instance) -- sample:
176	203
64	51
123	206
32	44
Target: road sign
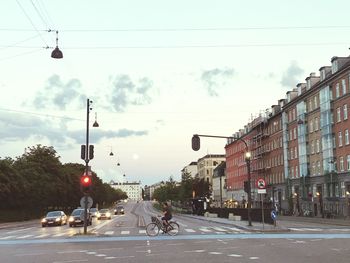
273	215
261	183
89	202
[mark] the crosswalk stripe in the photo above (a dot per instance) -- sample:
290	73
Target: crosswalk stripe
235	229
142	231
190	230
205	229
181	224
23	237
125	232
109	232
19	230
219	229
41	236
59	235
7	237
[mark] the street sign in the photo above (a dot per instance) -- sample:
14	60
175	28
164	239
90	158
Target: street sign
261	183
89	202
273	215
261	191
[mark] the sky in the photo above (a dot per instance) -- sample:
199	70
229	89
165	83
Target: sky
157	72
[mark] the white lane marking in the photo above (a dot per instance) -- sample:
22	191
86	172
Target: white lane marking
71	251
125	232
59	235
91	253
219	233
119	257
215	253
205	229
235	229
7	237
219	229
109	232
313	229
254	258
40	236
109	257
299	242
195	251
100	255
142	231
190	230
235	255
29	254
19	230
23	237
102	225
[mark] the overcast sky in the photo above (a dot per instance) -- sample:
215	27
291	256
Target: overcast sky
157	72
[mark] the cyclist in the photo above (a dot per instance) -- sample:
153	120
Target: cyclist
166	214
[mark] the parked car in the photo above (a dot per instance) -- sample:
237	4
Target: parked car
54	218
104	214
119	210
94	211
77	217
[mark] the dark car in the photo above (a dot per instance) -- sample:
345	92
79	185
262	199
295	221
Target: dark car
77	218
104	214
119	210
54	218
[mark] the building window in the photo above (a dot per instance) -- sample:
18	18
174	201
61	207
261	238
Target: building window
294	115
346	135
312	147
345	111
310	105
343	84
318	167
340	139
341	164
295	152
311	126
296	171
348	162
315	102
313	169
291	154
317	146
337	92
295	133
316	124
338	115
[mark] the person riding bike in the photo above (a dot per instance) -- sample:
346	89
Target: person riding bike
166	214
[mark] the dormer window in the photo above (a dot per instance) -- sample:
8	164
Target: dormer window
323	74
334	66
308	83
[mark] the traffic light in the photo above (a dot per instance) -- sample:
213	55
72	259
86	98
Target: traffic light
85	183
91	152
246	186
196	143
83	152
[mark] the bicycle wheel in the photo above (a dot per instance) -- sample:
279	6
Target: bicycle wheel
152	229
173	228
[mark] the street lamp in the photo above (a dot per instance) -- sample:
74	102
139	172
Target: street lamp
88	156
57	53
196	147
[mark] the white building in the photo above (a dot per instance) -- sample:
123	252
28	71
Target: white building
191	169
133	190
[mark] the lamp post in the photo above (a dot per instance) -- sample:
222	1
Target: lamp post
196	147
88	156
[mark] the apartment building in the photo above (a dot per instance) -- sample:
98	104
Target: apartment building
206	165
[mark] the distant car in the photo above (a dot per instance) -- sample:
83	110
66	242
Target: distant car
54	218
104	214
119	210
77	218
94	212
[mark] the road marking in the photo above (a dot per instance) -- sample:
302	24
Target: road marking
181	224
23	237
235	255
195	251
219	229
7	237
19	230
189	230
205	229
119	257
71	251
69	261
100	255
235	229
59	235
215	253
142	231
29	254
254	258
125	232
109	232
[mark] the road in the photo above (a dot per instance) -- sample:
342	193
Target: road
124	239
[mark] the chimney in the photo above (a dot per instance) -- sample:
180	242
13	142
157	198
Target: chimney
311	80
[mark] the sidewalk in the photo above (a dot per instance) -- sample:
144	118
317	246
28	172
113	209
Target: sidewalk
315	220
256	226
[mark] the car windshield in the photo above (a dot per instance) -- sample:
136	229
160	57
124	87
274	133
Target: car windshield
120	207
52	214
104	210
93	210
77	212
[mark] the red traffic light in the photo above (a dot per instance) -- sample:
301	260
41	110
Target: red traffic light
85	180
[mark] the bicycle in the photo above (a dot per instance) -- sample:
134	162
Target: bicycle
153	228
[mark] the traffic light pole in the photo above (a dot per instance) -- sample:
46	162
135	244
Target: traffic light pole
86	163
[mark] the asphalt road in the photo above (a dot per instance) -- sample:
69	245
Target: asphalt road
123	239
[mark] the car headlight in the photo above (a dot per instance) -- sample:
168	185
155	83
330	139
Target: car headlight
58	219
71	219
108	214
43	220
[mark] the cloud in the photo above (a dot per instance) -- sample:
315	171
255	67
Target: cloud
59	94
18	126
125	92
290	77
215	78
